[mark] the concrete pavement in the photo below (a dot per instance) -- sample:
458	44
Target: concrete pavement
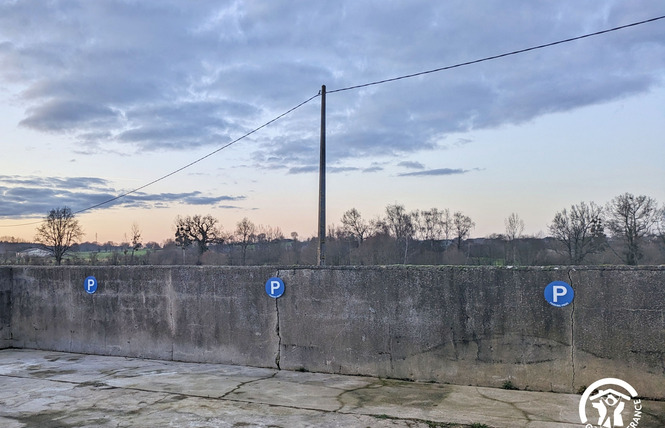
55	389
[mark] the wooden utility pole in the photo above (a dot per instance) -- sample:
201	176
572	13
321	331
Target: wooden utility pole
322	182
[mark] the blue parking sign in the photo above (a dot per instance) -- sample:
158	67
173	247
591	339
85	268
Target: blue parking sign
275	287
90	285
559	294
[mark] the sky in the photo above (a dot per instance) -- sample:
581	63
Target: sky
101	98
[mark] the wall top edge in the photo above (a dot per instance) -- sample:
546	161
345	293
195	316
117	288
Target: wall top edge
365	267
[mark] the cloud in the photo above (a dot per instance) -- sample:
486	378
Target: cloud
54	182
304	169
187	124
171	77
147	200
439	171
36	196
329	169
411	165
62	115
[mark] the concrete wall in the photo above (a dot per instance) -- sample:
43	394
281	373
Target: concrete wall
187	314
5	308
462	325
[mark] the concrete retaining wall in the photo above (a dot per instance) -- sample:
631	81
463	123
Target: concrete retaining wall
462	325
5	308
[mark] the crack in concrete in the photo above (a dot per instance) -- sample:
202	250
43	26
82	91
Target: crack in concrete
572	334
87	383
279	337
513	405
278	356
378	384
171	299
390	349
241	384
102	385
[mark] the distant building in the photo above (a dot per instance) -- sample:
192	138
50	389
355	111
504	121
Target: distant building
34	252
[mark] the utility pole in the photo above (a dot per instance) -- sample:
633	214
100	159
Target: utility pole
322	182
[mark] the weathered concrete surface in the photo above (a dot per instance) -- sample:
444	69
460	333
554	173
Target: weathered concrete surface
187	314
49	389
5	308
619	327
459	325
463	325
478	326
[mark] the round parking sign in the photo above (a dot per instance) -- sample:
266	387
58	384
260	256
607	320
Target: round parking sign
275	287
90	284
559	294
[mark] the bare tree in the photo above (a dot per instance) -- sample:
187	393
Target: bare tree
59	232
268	244
354	225
661	225
631	218
514	228
580	230
399	224
182	238
245	235
202	230
447	225
136	239
267	234
462	225
430	224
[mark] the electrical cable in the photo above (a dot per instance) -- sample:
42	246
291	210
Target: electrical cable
503	55
364	85
199	159
108	201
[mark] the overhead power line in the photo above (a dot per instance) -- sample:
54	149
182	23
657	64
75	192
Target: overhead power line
378	82
199	159
503	55
163	177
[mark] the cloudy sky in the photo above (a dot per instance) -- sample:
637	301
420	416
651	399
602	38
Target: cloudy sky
98	98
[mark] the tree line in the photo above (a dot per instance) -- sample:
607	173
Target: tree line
627	230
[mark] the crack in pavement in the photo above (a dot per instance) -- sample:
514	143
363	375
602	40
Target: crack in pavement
165	397
348	391
242	384
513	405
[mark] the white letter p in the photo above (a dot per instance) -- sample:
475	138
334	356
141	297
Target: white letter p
558	291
